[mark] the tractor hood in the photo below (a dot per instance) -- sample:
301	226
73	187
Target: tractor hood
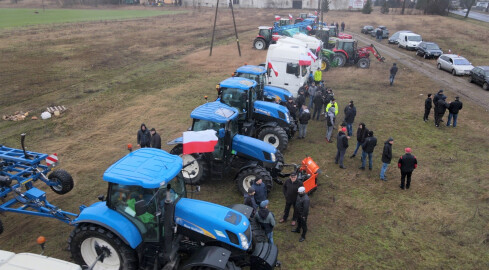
271	92
254	149
272	110
214	221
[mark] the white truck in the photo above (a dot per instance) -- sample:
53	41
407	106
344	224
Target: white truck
409	41
29	261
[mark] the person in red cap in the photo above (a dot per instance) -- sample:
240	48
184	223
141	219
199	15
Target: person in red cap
341	145
407	163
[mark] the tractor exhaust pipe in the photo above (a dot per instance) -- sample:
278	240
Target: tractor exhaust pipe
22	139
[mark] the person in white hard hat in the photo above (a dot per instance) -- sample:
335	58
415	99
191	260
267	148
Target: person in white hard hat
302	208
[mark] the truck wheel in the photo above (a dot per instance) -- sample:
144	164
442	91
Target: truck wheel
64	180
325	64
339	59
363	63
275	136
88	240
247	177
196	171
259	44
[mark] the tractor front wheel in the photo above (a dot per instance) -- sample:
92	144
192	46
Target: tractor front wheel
275	136
195	168
88	241
339	59
363	63
247	177
259	44
325	64
64	181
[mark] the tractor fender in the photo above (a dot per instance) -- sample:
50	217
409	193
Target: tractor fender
250	164
178	140
98	213
208	257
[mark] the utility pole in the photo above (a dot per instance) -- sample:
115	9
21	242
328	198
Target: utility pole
235	30
214	29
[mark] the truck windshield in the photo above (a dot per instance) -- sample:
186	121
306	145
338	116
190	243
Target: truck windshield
235	98
200	125
414	38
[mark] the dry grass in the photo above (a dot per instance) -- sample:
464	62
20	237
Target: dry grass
136	74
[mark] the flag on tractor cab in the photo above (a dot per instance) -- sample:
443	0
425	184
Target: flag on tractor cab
309	28
290	17
271	67
199	141
313	56
277	17
304	60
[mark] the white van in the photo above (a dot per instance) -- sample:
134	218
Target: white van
285	66
410	41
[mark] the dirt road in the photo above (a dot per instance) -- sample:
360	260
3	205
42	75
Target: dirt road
458	85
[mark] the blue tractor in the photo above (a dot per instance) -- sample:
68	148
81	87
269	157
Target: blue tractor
239	157
266	121
146	222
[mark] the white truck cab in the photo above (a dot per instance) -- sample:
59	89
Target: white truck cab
409	41
29	261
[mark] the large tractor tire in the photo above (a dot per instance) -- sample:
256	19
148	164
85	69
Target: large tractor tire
64	180
197	170
247	177
339	59
275	136
363	63
87	241
259	44
325	64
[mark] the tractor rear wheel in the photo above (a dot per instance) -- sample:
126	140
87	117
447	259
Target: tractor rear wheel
195	168
259	44
87	241
64	181
339	59
325	64
247	177
363	63
275	136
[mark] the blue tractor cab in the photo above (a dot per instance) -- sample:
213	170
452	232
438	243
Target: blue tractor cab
146	222
236	156
266	121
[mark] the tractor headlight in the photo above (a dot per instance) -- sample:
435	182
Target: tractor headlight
272	155
287	117
244	241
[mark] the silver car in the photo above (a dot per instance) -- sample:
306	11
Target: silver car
455	64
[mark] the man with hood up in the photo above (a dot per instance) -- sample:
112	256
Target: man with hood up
362	133
266	219
440	110
144	137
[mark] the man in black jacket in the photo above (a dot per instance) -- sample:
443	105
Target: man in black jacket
386	158
453	109
304	117
436	98
362	133
407	164
289	189
368	148
393	72
144	138
440	110
341	145
302	208
318	104
155	139
300	100
350	113
291	107
427	108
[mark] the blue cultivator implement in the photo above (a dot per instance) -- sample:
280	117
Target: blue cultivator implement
19	170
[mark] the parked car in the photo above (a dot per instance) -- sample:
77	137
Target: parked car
428	50
367	29
409	41
385	31
480	75
394	38
455	64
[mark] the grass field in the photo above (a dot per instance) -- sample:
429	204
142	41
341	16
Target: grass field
113	76
15	17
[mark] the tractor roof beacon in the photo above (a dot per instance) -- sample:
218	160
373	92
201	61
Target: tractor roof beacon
264	120
146	222
235	156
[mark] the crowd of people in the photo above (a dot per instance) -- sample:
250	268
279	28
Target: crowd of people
440	107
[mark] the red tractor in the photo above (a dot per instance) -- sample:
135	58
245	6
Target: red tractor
347	53
264	38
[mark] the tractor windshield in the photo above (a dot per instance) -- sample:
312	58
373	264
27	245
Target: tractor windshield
200	125
236	98
259	79
266	33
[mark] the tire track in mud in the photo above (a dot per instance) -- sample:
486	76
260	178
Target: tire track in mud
459	85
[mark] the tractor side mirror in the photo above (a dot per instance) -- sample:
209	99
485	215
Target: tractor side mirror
221	133
140	207
101	198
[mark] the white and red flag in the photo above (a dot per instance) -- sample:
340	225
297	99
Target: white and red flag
277	17
199	141
304	60
290	17
309	28
271	67
313	56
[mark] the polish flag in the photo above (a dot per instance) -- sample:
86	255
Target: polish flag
314	57
309	28
318	50
199	141
315	12
290	17
271	67
304	60
277	17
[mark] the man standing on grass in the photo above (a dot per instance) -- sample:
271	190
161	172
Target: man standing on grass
330	122
362	133
350	113
302	208
144	137
261	193
155	139
407	163
386	158
249	200
341	145
427	108
342	26
368	149
440	110
318	76
304	117
453	109
393	72
266	219
290	190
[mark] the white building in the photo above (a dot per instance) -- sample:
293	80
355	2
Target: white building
298	4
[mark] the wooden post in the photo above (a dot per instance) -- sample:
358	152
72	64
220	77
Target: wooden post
235	30
214	28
